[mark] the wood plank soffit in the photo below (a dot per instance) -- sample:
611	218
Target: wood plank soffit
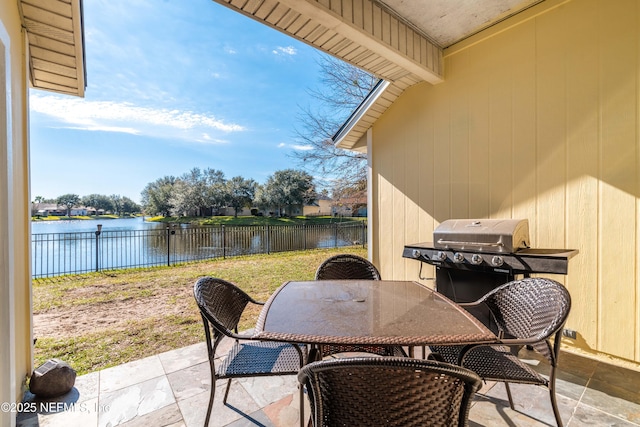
55	36
388	46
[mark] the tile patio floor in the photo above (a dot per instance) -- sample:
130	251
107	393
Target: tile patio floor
172	389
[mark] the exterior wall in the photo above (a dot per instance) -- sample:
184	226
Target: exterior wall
536	120
15	297
323	208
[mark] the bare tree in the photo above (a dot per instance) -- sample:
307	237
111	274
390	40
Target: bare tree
344	86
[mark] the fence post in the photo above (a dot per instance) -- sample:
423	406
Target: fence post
169	233
97	236
363	234
304	236
224	243
335	235
268	240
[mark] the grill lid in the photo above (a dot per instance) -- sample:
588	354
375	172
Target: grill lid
483	235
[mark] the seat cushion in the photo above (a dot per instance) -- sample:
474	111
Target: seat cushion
255	358
494	363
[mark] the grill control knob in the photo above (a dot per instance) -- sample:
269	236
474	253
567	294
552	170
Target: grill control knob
476	259
497	261
441	256
416	253
458	257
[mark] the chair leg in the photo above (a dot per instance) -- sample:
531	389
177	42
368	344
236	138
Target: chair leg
211	396
509	395
226	392
301	387
554	405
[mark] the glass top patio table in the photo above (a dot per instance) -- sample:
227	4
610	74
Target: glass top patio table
377	312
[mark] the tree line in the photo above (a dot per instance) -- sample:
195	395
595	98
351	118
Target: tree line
206	192
115	203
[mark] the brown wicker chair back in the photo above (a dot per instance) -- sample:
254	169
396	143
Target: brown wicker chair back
221	304
347	266
532	309
350	266
528	312
388	391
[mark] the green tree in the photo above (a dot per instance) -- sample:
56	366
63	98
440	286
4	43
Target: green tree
190	194
216	190
116	199
68	201
241	193
129	206
98	201
156	196
287	188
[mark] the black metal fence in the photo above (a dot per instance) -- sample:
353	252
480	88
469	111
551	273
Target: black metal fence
55	254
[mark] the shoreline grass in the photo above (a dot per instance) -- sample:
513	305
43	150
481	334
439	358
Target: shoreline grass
109	318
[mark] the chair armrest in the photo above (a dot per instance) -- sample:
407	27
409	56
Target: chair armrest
471	304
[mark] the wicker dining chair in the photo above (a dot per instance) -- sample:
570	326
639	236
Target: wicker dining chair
388	391
527	312
347	266
221	305
350	266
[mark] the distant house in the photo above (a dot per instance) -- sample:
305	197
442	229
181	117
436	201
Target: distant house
320	207
49	209
350	206
79	211
229	211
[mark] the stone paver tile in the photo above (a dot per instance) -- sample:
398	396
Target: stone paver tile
134	372
239	404
168	416
266	390
125	404
82	414
188	382
182	358
588	416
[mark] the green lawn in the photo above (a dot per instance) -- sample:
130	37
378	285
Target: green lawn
93	321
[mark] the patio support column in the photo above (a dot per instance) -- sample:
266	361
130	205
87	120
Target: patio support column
370	227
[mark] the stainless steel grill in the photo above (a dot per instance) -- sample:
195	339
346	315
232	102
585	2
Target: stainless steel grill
474	256
483	235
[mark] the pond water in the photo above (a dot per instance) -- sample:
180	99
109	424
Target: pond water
72	226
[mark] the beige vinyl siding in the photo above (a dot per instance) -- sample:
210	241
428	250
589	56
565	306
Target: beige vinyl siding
538	121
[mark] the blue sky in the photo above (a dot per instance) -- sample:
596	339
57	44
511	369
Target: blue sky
171	85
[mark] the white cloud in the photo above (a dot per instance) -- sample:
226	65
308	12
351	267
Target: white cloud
109	116
289	50
207	138
297	147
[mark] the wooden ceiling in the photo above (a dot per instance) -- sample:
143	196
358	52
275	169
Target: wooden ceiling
56	45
